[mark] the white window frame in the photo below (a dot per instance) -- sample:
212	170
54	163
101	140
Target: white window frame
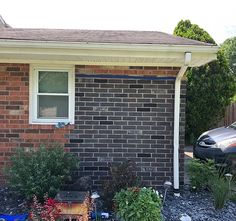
33	96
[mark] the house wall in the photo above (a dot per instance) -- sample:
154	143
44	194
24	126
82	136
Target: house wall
120	118
15	130
116	118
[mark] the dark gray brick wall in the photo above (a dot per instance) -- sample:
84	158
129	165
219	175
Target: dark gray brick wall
118	119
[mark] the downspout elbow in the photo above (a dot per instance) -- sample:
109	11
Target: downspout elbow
187	60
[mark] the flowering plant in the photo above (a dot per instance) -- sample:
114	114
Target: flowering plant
46	211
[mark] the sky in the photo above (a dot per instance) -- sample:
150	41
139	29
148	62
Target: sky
217	17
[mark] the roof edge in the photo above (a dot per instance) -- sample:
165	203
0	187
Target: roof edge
118	54
107	46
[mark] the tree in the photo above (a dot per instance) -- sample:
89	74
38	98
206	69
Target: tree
210	88
229	50
192	31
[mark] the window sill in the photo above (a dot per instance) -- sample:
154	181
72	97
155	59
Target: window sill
51	123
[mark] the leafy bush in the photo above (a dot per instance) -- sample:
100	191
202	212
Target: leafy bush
40	172
220	191
135	204
232	163
207	175
122	176
200	173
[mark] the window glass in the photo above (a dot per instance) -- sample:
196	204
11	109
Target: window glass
52	106
52	82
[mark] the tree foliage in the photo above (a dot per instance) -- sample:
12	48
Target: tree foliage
192	31
209	87
229	50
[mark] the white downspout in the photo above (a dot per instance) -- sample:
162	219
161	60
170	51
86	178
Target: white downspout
187	60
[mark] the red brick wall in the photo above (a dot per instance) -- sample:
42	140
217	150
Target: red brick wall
15	130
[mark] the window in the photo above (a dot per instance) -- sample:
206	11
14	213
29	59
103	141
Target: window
51	95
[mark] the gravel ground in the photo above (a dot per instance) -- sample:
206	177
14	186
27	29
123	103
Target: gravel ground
11	202
199	206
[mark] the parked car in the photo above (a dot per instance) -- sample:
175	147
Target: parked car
218	144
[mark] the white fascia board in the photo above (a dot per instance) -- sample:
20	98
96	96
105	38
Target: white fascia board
104	53
106	46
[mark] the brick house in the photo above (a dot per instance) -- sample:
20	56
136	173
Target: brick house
119	90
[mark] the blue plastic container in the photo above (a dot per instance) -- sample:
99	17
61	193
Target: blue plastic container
101	215
19	217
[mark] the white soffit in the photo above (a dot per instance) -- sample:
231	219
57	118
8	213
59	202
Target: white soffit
12	51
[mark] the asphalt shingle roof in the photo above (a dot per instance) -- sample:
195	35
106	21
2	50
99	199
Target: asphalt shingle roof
96	36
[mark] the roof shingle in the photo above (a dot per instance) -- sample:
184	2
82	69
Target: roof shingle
96	36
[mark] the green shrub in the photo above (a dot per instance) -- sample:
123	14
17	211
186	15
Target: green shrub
135	204
122	176
220	191
40	172
232	162
200	173
233	197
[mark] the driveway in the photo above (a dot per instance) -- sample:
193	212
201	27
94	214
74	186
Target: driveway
188	155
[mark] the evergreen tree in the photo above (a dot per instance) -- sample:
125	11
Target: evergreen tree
229	50
210	88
